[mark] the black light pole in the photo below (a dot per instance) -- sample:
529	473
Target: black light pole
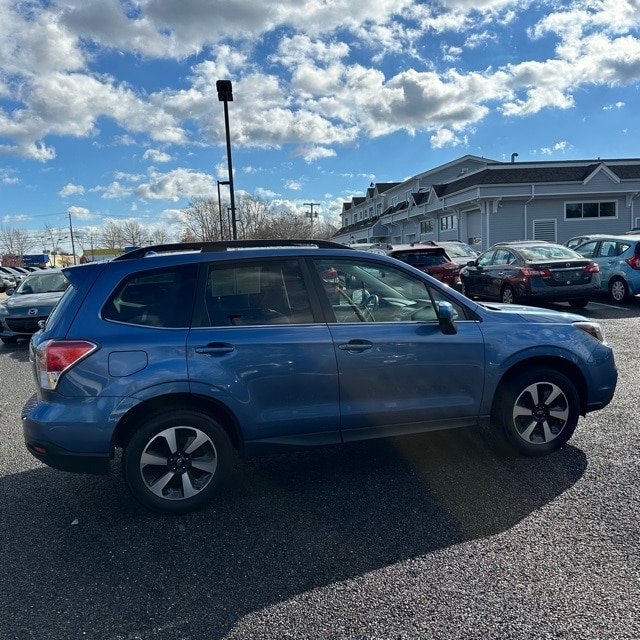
220	207
225	95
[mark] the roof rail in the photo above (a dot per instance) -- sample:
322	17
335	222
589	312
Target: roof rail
225	245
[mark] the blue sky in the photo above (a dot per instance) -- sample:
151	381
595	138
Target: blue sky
108	108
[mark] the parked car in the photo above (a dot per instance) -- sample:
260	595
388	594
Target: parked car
618	258
534	272
6	282
576	241
429	258
17	276
458	251
29	304
185	356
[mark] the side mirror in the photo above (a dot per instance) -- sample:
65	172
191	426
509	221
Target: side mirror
10	291
445	318
472	263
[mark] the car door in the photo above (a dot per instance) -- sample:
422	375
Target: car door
476	277
399	373
604	253
256	348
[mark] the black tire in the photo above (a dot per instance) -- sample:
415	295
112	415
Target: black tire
9	340
507	295
580	303
537	412
178	461
618	289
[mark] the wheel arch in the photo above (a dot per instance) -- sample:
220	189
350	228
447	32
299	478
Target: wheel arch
556	363
163	404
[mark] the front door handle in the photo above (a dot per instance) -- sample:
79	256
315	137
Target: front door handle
356	346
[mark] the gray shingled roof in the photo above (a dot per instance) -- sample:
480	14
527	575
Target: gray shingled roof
510	174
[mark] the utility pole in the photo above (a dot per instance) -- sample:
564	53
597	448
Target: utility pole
310	214
73	246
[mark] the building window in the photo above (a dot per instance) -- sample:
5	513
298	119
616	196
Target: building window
426	226
448	222
578	210
407	196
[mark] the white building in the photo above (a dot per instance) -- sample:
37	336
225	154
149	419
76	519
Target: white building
481	202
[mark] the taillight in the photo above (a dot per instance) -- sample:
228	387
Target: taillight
592	268
54	357
528	272
634	261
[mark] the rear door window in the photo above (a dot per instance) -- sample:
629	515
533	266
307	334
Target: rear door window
254	293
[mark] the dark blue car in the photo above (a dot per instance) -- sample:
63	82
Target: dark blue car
186	356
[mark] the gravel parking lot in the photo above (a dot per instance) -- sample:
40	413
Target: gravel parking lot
426	537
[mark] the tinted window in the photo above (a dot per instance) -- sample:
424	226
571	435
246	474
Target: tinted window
254	293
154	298
420	259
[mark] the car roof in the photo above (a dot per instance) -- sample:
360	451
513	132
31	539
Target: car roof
220	246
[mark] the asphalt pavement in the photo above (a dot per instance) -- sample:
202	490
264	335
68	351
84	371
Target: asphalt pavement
433	537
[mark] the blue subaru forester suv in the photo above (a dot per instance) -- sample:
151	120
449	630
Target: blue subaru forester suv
186	356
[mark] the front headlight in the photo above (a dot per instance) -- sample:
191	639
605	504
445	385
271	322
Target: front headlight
592	328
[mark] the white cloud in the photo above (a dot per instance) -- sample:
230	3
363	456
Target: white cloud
156	156
177	184
71	190
293	185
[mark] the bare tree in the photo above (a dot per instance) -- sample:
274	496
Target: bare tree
111	236
52	237
132	233
160	236
15	242
324	230
284	225
202	219
251	216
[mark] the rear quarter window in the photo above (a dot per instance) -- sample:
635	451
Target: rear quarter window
154	298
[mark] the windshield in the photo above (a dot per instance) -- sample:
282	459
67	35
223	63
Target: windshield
42	283
460	251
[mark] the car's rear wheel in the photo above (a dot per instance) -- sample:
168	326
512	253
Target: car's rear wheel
618	289
581	303
537	411
508	295
176	462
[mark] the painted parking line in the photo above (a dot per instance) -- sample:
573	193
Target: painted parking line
610	306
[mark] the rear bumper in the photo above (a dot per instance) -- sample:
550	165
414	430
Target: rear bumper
58	458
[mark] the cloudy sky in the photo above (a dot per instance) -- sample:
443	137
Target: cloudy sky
109	110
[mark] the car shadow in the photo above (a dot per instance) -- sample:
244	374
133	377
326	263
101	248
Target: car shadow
17	351
82	555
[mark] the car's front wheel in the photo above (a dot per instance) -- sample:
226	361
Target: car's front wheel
176	462
537	411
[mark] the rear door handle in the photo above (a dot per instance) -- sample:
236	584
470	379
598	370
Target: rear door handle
216	349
